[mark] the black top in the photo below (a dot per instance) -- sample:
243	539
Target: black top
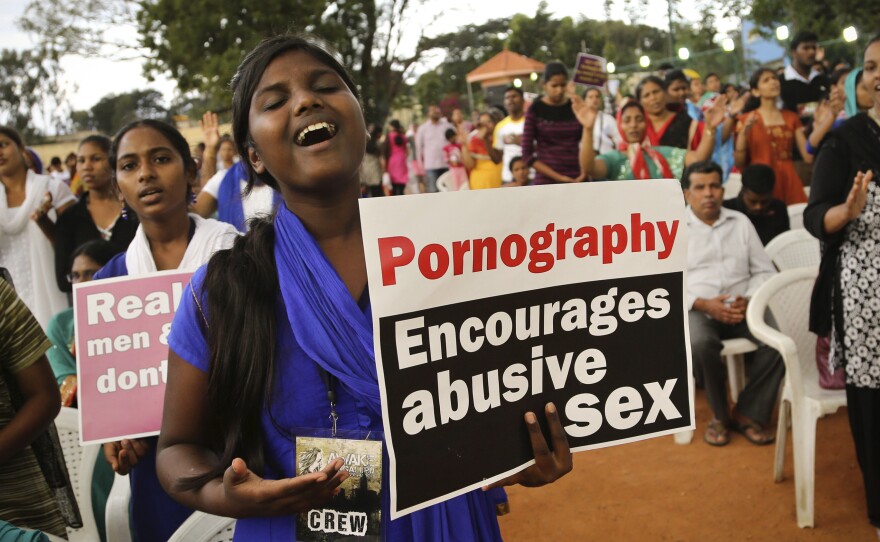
768	225
796	92
75	227
853	147
676	134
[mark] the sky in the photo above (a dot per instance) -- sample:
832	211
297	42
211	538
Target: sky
89	79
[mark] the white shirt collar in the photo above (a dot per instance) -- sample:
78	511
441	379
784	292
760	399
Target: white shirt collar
792	74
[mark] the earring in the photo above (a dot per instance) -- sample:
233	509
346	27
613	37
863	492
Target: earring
192	197
124	213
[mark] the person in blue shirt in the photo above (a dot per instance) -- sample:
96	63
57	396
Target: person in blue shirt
263	322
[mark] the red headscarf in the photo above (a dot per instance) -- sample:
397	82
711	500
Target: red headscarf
637	151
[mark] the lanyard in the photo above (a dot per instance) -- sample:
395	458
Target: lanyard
330	384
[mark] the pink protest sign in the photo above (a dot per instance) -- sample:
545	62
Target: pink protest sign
122	328
590	70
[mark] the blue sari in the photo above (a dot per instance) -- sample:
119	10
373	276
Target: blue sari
320	325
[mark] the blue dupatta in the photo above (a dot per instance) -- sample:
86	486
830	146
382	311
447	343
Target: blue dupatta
229	205
332	330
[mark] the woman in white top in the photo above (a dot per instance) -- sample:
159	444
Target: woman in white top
606	136
29	206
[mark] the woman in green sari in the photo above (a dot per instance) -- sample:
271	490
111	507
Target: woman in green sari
636	158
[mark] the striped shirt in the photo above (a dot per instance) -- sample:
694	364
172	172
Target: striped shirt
552	134
25	500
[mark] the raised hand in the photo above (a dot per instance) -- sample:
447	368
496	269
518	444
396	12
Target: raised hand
858	196
585	114
716	114
256	496
550	465
210	130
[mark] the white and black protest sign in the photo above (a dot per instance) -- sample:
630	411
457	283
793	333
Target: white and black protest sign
489	304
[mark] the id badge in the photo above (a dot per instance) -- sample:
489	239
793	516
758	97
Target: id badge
355	513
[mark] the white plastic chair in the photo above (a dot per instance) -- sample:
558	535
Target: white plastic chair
788	296
202	527
80	461
793	249
796	215
732	352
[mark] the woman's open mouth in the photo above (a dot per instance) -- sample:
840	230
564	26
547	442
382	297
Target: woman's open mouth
316	133
150	195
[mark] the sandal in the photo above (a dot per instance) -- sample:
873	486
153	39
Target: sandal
716	434
753	431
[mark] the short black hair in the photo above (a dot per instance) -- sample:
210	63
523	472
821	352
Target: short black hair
514	89
666	66
803	36
676	75
712	74
758	178
449	133
703	166
514	160
838	74
97	250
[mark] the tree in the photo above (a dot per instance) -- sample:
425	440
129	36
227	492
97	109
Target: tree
115	110
31	91
201	42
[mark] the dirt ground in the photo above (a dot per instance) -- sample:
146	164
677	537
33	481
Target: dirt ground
658	490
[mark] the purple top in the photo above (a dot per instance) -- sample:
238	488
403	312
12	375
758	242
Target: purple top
552	134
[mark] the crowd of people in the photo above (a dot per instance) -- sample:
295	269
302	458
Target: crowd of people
278	305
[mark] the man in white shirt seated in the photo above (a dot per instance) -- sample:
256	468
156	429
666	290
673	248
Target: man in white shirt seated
726	265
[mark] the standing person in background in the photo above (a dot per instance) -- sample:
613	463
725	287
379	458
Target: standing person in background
395	157
459	122
155	172
713	83
29	204
552	133
606	136
803	87
480	156
37	493
767	135
455	161
677	90
844	213
372	167
97	215
508	132
430	140
665	128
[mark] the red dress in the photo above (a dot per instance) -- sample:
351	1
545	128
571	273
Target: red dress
772	146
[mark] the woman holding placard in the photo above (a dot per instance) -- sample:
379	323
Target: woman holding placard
298	345
155	172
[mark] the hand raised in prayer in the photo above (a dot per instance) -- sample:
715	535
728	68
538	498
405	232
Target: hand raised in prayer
125	454
739	104
585	114
716	114
255	496
550	465
210	130
858	195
